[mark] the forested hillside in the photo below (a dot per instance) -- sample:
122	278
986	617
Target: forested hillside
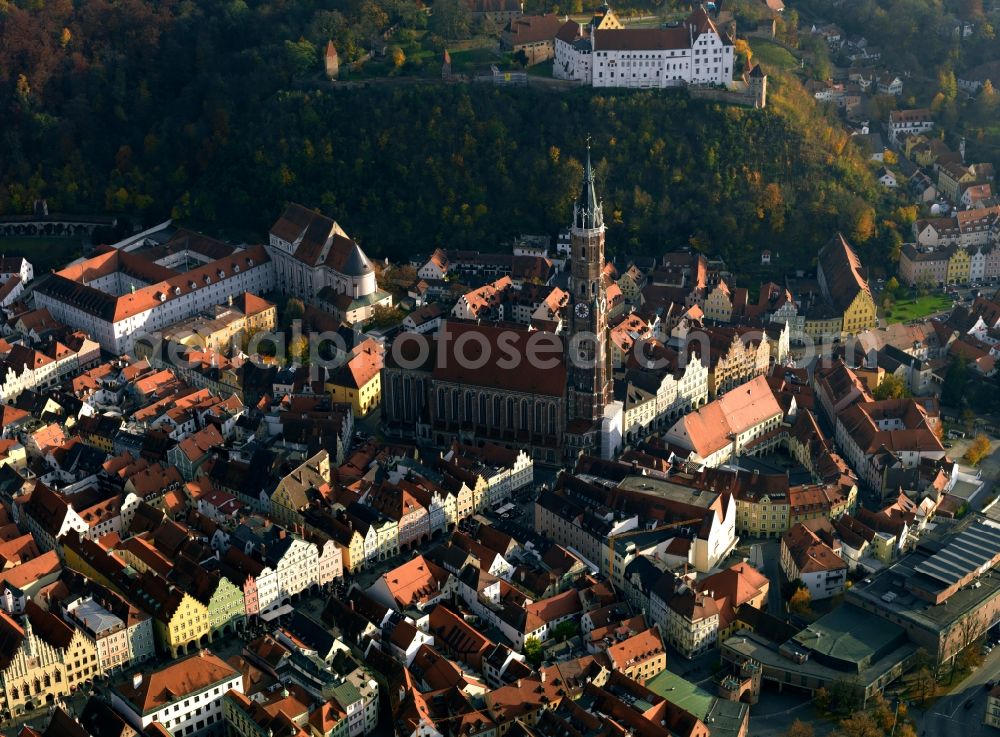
191	109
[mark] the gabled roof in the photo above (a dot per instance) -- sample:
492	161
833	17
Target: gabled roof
175	682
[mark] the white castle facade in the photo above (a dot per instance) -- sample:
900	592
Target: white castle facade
691	52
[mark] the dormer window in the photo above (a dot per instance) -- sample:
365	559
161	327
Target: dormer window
177	290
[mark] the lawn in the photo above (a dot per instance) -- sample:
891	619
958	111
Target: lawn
914	308
542	69
772	54
45	253
470	60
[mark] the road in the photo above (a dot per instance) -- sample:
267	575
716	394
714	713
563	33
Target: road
949	716
765	556
777	711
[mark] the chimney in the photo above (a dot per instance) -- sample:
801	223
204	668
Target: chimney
136	680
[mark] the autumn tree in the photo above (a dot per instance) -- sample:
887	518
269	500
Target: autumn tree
883	714
891	387
821	698
860	724
979	449
800	602
923	685
799	728
397	57
987	102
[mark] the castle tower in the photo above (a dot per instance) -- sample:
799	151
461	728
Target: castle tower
589	389
332	61
757	83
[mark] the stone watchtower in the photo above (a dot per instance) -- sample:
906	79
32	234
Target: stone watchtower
757	86
332	61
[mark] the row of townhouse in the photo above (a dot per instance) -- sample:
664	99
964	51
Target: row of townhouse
23	367
417	502
192	604
939	257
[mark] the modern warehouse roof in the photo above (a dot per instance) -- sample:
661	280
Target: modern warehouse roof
971	551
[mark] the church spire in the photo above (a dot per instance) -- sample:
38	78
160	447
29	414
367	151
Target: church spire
589	213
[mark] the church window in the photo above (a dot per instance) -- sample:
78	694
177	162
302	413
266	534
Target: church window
440	403
524	414
468	407
482	409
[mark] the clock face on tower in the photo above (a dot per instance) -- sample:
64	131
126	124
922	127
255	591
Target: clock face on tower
582	310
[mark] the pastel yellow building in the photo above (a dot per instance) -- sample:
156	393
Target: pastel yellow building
959	265
359	381
181	622
352	547
844	286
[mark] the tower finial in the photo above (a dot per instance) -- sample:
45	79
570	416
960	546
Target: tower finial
588	207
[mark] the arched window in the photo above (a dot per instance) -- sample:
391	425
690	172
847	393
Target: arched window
454	404
510	413
482	408
468	406
441	405
524	415
496	410
539	417
397	395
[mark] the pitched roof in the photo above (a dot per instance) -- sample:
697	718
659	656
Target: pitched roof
809	552
842	272
175	682
640	647
532	28
713	426
466	365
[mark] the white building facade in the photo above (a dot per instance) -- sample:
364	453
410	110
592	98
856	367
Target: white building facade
692	52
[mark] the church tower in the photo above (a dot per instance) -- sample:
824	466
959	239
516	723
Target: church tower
589	389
